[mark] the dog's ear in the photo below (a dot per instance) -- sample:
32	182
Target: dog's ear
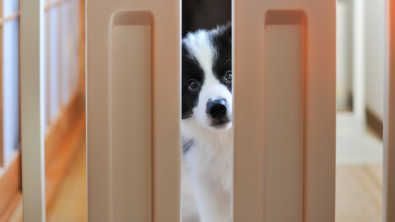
222	35
228	31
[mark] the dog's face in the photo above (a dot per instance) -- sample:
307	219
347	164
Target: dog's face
207	79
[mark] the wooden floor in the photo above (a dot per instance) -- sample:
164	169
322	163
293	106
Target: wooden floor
358	194
70	201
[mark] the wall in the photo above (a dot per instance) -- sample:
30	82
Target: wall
374	56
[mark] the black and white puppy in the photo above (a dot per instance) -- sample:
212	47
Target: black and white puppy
206	124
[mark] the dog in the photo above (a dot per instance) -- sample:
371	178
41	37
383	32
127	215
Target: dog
206	124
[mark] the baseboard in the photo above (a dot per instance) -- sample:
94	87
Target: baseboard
374	122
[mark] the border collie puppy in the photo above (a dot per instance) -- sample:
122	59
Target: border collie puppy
206	124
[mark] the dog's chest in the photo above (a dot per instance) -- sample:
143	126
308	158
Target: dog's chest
212	159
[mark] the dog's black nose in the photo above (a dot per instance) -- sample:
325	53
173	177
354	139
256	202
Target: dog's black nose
216	108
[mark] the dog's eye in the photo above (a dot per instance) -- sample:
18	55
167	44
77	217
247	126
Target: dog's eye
228	76
192	85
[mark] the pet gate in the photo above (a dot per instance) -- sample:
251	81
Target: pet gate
133	121
389	117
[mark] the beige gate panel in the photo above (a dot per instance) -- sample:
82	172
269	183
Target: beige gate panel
133	110
284	123
389	117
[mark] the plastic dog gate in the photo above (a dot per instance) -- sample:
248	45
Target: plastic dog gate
284	122
284	114
133	110
389	117
282	58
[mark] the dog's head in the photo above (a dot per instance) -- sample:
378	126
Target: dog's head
207	79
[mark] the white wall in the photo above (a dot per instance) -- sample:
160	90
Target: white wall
374	55
343	54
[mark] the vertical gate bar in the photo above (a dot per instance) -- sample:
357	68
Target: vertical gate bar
2	150
284	62
47	58
389	116
167	113
117	80
81	45
32	107
97	141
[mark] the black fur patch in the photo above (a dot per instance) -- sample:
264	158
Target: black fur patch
222	40
191	70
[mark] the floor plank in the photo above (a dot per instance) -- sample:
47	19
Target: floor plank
70	201
358	194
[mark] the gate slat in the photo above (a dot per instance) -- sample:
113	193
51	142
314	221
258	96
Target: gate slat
133	110
389	117
285	118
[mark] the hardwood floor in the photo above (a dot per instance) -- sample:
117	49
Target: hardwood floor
358	194
70	201
359	172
